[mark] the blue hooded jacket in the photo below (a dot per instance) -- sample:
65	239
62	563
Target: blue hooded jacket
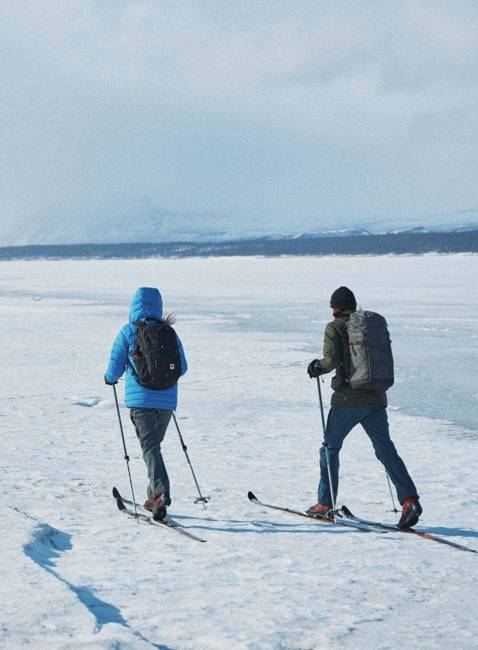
146	303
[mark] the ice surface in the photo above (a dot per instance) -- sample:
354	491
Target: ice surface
76	574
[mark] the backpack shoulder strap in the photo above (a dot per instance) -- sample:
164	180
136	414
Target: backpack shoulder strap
343	336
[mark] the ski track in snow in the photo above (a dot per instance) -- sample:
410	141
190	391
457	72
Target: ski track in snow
76	574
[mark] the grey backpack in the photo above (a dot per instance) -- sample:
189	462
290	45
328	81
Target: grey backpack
370	359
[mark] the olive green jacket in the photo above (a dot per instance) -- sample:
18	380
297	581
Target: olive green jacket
335	358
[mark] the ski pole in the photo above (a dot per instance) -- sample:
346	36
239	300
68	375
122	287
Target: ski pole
126	457
200	499
326	447
391	492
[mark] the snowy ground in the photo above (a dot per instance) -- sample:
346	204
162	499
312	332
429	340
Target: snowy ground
76	574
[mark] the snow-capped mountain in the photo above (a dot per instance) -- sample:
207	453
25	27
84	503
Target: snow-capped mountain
157	225
149	226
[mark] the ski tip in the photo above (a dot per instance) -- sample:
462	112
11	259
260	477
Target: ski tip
116	493
120	504
251	496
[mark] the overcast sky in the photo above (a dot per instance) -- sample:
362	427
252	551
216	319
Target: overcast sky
288	114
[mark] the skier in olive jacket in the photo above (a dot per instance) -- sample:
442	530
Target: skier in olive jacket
350	407
150	409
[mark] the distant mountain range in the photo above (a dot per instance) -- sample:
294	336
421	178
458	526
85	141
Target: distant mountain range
148	225
363	232
409	242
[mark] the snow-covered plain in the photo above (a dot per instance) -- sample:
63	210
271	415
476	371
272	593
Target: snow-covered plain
77	574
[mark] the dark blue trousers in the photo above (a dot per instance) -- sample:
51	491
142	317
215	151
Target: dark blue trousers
340	422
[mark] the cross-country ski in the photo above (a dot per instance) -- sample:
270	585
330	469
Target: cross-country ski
358	525
166	523
344	517
412	531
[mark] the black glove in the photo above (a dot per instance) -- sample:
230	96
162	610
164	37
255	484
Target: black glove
314	369
110	383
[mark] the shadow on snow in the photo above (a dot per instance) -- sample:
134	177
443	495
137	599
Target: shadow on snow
268	527
46	546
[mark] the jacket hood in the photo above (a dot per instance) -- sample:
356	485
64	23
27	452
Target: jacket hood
146	303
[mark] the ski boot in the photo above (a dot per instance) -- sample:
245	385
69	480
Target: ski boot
411	511
319	510
158	505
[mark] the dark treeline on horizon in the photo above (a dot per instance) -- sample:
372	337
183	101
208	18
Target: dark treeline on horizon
400	243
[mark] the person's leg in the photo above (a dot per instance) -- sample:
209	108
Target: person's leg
376	427
151	425
340	422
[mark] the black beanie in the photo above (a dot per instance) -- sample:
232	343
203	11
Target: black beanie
343	298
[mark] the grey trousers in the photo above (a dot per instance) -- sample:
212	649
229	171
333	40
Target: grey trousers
151	425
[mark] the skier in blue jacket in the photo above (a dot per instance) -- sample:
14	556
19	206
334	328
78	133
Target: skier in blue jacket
150	409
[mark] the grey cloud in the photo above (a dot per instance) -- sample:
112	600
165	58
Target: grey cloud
281	115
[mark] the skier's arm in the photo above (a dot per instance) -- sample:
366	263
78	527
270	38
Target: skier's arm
332	350
182	357
118	358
